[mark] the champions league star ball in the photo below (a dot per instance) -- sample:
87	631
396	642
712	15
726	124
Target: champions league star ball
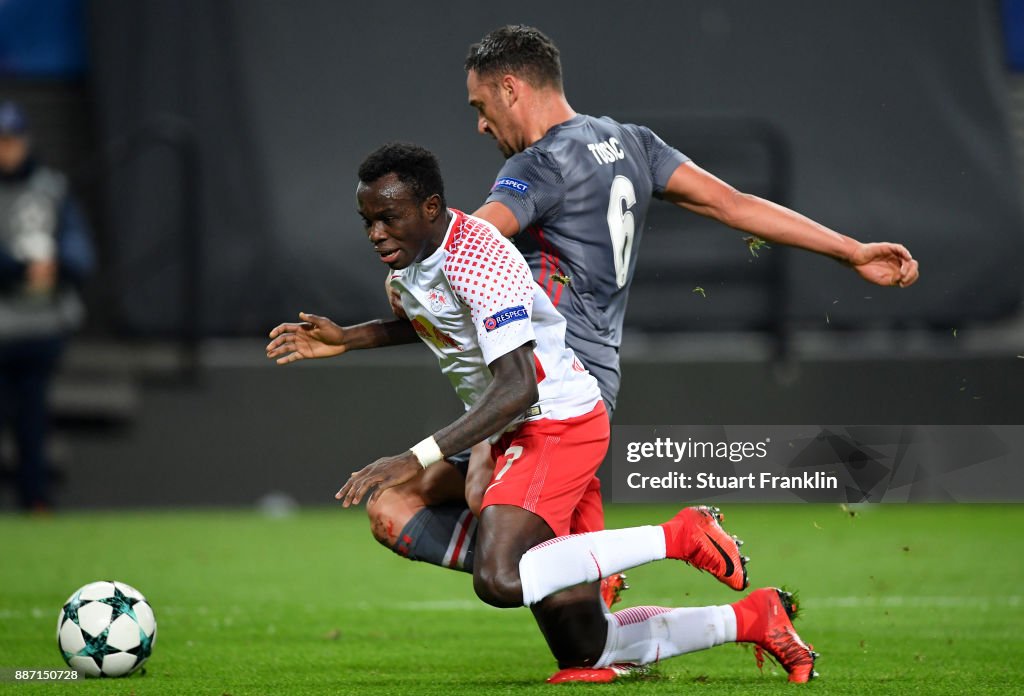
106	629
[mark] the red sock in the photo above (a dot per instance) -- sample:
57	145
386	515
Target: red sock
669	538
677	540
751	623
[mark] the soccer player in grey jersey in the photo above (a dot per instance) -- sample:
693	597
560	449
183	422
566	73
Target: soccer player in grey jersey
575	190
579	196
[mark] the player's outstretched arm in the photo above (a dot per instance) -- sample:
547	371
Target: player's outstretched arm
881	263
319	337
510	393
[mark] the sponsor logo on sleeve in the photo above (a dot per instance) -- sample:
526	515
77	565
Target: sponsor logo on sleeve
505	316
511	184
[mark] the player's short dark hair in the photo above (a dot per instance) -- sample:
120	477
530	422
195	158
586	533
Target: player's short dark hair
415	166
518	50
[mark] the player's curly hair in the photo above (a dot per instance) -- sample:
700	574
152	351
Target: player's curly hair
518	50
415	166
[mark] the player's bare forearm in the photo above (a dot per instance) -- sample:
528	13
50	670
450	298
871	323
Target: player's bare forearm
780	225
319	337
510	393
478	475
882	263
380	334
696	190
499	215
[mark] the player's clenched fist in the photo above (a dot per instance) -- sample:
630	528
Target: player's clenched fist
885	263
384	473
314	337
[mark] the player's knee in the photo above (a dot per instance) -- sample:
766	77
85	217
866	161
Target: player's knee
388	516
498	587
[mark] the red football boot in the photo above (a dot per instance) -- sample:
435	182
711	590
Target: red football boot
695	536
765	618
595	675
612	588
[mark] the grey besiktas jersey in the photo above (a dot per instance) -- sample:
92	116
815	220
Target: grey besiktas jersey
580	195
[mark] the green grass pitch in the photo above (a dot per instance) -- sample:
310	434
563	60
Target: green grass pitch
902	599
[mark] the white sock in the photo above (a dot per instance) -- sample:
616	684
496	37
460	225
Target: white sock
643	635
570	560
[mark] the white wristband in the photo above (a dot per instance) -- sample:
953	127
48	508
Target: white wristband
427	452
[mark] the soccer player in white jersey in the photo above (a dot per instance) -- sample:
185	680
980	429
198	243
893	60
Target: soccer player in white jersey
470	297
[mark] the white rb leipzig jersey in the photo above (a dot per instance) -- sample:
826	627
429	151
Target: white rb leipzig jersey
474	300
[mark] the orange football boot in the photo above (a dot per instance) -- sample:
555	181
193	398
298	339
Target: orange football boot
695	536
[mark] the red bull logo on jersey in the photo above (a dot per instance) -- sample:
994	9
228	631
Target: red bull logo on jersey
437	300
430	333
505	316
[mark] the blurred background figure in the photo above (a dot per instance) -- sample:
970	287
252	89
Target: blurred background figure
45	255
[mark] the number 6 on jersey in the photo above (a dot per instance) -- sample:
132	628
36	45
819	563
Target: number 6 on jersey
621	225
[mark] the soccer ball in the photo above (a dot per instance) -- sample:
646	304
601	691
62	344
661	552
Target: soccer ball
106	629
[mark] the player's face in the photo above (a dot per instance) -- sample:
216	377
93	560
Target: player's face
493	116
398	226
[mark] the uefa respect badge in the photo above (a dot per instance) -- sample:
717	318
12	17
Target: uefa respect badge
505	316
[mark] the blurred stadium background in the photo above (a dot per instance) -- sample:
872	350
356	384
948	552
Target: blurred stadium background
215	146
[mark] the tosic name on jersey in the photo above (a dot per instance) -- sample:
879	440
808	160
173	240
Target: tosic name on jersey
607	151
